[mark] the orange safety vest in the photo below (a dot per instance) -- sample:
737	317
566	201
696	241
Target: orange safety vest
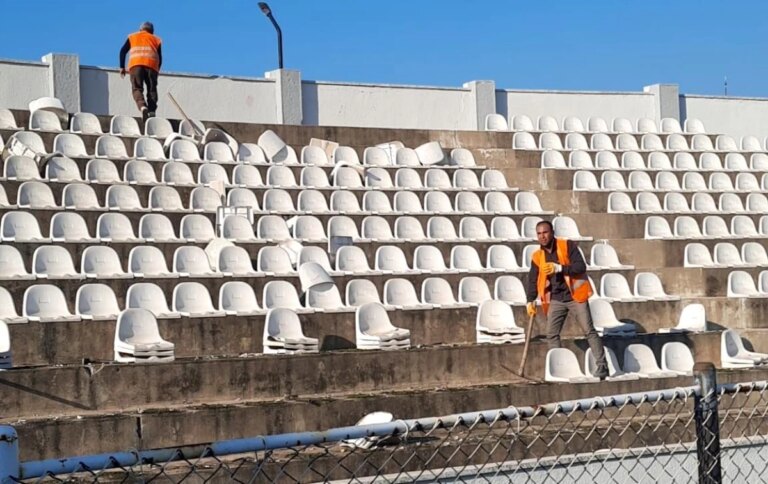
144	50
579	285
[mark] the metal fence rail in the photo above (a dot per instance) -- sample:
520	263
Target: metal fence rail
671	435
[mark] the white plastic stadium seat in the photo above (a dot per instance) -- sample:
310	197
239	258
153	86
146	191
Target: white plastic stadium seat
192	299
605	319
20	227
495	122
676	357
281	294
373	329
191	261
148	261
473	290
139	172
352	260
561	365
251	153
196	228
361	291
648	285
138	340
149	296
102	262
551	158
158	128
42	120
437	292
46	303
639	359
108	146
741	284
495	323
283	334
521	122
96	302
237	298
165	199
219	152
235	261
21	168
509	289
124	126
462	157
400	294
733	354
523	141
148	149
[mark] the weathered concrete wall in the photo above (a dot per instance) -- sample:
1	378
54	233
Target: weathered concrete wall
387	106
212	98
22	82
727	115
582	104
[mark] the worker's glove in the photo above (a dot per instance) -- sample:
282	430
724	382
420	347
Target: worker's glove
531	308
550	268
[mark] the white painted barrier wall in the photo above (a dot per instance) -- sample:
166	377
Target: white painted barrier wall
560	104
22	82
728	115
284	97
211	98
387	106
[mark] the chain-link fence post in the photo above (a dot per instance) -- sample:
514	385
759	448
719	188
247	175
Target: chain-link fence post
9	455
707	425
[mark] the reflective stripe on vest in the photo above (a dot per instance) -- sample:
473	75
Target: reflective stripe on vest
144	50
578	285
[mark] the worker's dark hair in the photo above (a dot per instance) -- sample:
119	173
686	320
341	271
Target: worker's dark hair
546	222
148	27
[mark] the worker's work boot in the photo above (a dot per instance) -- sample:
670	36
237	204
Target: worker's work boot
601	371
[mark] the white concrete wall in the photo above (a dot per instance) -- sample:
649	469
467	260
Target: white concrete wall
727	115
560	104
22	82
211	98
387	106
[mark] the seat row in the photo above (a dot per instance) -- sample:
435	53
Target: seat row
39	195
692	181
183	149
675	202
623	142
654	161
595	124
561	364
63	169
725	254
741	284
712	227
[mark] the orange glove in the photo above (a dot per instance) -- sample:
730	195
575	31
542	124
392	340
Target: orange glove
531	308
550	268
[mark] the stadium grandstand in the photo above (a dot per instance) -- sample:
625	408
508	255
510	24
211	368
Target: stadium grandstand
294	280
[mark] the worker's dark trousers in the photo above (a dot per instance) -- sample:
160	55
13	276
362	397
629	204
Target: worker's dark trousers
144	76
556	315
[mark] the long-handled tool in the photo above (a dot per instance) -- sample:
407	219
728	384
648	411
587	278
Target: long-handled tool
528	334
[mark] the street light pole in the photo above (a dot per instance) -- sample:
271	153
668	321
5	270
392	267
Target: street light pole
268	12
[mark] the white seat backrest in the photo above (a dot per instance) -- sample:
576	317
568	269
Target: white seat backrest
408	178
742	225
640	180
474	290
156	227
146	295
7	120
42	120
648	284
409	228
273	259
495	122
754	253
340	225
684	161
407	202
504	228
566	227
550	141
68	226
604	255
694	181
580	160
123	197
165	198
139	171
85	123
430	153
625	142
464	178
465	257
345	153
270	143
314	155
312	200
124	125
22	168
612	180
102	261
646	125
572	124
280	294
204	199
277	200
547	123
750	143
622	125
676	202
177	173
197	227
346	177
601	141
351	258
747	182
727	254
667	181
648	202
657	227
720	182
35	194
741	284
184	150
523	141
585	180
247	176
677	142
390	258
440	228
697	254
191	297
218	151
44	301
272	227
12	262
428	258
757	202
400	292
473	228
192	261
436	290
614	286
407	157
724	142
687	227
361	291
158	128
639	358
235	260
309	227
670	125
632	160
251	153
715	226
375	156
701	142
344	201
376	227
510	289
462	157
470	202
437	202
70	145
596	125
619	202
551	158
501	257
237	296
651	141
521	122
694	126
97	301
376	201
148	149
237	228
659	161
108	146
314	254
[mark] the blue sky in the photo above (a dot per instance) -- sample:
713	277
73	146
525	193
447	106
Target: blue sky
592	45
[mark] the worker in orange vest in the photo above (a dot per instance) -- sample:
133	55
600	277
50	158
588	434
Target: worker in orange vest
558	278
145	56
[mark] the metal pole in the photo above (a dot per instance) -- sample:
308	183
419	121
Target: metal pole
707	424
9	455
279	40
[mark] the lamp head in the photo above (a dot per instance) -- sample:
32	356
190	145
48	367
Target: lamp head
265	8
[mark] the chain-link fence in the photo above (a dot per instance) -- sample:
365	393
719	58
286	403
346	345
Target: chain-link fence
672	435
